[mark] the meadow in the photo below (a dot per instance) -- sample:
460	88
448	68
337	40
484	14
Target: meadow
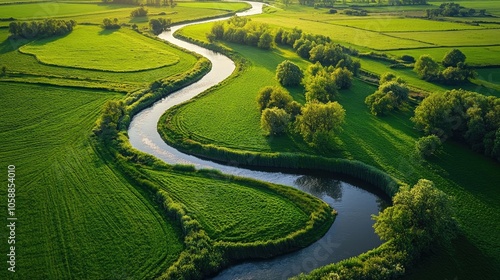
90	47
384	142
77	216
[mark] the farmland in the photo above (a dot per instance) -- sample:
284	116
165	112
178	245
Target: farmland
89	206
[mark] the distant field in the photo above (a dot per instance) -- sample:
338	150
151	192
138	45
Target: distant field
491	6
393	24
364	38
475	55
92	13
77	217
234	212
90	47
455	38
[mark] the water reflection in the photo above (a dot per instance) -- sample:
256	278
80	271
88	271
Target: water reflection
320	186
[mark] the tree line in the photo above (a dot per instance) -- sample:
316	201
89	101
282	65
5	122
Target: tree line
242	30
455	71
466	116
454	10
41	29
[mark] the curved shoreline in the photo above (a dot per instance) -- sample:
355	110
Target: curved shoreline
145	137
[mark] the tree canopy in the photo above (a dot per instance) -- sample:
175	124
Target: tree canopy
289	73
318	119
420	217
426	68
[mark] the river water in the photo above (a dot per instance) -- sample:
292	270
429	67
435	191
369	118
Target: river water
351	233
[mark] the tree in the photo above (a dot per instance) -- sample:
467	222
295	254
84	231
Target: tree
139	12
265	41
107	124
319	119
3	71
269	97
107	23
388	77
274	121
453	58
159	25
426	68
342	78
427	145
419	218
289	74
390	95
433	115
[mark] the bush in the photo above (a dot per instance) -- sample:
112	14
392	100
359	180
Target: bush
408	58
139	12
427	146
110	24
159	25
274	121
289	74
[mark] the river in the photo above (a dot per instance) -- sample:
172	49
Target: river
351	233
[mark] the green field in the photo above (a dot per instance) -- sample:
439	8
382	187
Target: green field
476	56
77	216
458	38
386	143
27	66
89	47
234	212
94	14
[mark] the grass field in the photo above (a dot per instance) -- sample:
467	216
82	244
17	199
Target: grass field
457	38
89	47
386	143
475	56
27	66
234	212
92	13
77	217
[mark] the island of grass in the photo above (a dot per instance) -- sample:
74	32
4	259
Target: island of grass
386	143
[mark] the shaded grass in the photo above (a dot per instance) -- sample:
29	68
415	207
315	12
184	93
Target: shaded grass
77	217
90	47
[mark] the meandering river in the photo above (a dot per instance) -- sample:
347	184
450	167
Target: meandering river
351	233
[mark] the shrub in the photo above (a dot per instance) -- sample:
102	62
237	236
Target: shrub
427	146
274	121
139	12
407	58
110	24
159	25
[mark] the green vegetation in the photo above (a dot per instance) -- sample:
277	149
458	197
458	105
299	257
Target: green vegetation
77	216
381	142
90	48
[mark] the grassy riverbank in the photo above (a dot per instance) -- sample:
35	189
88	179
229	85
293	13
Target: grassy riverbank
386	143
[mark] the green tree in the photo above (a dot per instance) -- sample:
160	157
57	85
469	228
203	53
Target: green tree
453	58
159	25
289	73
427	146
419	218
269	97
274	121
139	12
265	41
319	119
342	78
426	68
433	115
388	77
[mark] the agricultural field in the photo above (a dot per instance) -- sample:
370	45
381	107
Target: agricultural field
78	217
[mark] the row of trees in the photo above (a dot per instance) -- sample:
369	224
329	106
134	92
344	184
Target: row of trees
318	48
453	10
467	116
455	72
109	24
242	30
392	94
41	29
137	2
